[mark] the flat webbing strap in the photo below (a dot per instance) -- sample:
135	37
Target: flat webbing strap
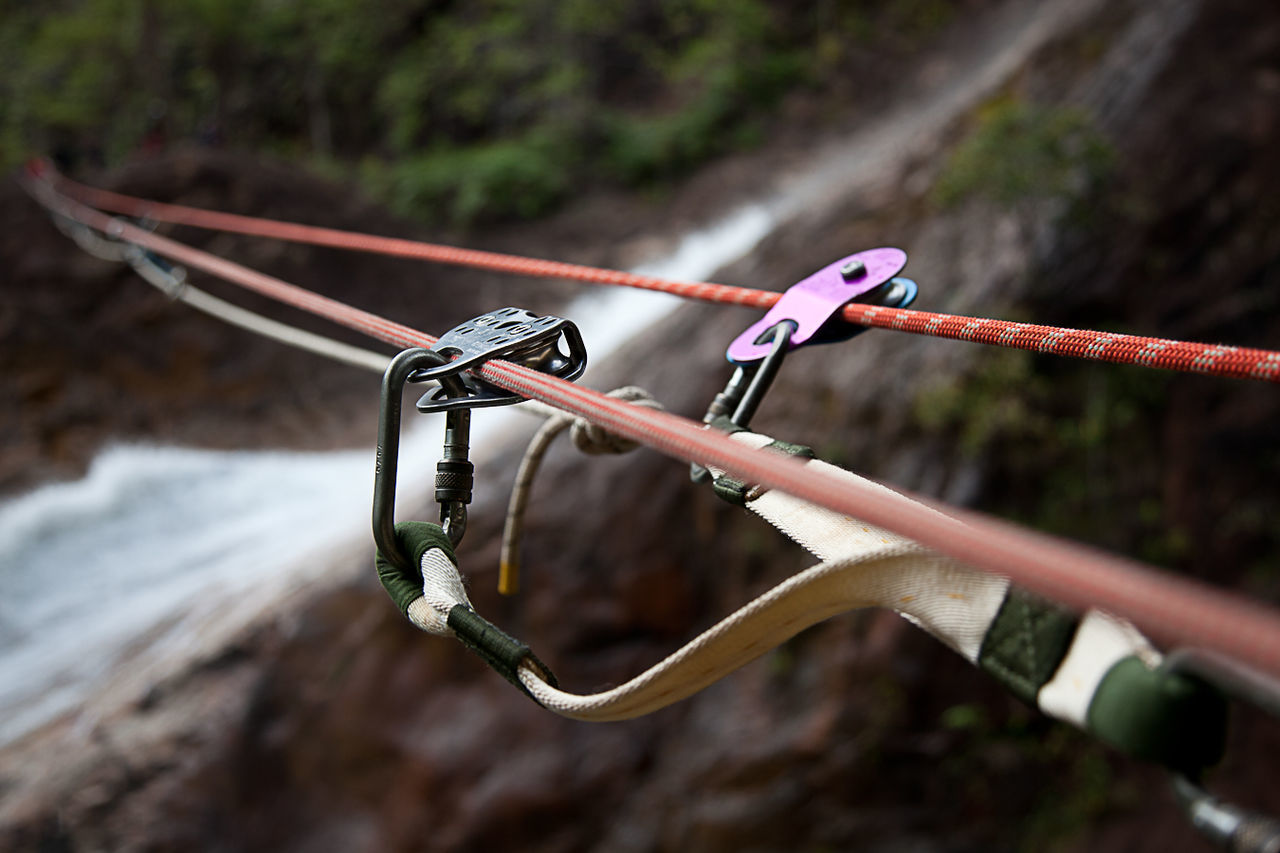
1097	671
863	566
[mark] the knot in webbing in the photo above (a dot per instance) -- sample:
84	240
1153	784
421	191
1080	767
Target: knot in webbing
596	440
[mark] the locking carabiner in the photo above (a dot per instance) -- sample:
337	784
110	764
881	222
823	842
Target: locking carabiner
749	382
747	387
508	333
454	472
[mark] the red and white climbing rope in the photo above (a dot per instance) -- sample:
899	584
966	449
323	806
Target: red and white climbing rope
1171	608
1214	359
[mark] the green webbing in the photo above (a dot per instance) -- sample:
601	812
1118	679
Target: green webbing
735	491
497	648
730	489
416	538
1169	717
1026	642
501	651
726	426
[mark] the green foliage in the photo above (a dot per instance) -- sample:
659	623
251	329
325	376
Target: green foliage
521	178
1019	151
966	717
643	148
1075	802
918	19
1082	430
997	403
61	74
478	110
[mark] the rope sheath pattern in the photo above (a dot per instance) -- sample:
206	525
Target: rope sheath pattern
1214	359
1173	609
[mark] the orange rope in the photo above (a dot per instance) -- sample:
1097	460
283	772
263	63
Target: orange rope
1214	359
1168	607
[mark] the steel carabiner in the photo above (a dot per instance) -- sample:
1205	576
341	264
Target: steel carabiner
806	313
747	387
749	382
453	474
509	333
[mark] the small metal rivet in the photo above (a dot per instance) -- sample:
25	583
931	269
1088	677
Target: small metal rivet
853	269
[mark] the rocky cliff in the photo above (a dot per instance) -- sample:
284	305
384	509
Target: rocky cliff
340	727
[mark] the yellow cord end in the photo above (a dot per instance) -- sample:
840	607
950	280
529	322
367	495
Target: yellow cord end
508	577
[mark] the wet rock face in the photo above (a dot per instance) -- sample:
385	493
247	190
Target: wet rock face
340	727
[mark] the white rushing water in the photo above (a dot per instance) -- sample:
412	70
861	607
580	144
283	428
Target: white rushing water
159	552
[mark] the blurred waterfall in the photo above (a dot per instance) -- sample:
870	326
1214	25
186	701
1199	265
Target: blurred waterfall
158	554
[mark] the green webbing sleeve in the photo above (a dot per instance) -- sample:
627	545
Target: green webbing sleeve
498	649
1169	717
722	423
792	449
416	538
1026	642
732	490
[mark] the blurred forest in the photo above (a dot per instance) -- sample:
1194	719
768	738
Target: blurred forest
452	112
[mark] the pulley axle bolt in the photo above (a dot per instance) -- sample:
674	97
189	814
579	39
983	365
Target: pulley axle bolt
853	269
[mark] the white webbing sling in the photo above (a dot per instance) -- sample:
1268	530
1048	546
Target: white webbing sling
1094	671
